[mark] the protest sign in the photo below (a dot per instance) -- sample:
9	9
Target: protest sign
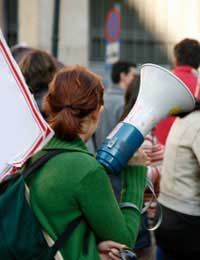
23	130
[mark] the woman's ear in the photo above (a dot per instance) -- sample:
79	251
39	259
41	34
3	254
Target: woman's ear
97	113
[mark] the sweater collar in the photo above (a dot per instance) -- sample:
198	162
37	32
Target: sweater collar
184	68
75	145
115	88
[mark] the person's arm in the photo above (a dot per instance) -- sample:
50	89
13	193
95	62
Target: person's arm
196	145
100	208
155	152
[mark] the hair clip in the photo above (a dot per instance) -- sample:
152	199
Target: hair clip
68	106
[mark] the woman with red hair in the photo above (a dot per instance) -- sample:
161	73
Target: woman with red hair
74	183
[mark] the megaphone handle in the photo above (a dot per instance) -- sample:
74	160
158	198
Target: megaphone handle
197	104
196	107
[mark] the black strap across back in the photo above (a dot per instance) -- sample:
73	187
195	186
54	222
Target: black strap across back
64	236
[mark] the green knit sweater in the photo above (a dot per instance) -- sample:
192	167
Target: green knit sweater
73	184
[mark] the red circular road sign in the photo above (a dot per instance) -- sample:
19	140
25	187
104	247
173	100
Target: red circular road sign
113	25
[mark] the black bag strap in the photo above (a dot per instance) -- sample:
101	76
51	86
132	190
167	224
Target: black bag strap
42	160
64	236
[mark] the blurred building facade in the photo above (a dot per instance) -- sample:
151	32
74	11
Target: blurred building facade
149	28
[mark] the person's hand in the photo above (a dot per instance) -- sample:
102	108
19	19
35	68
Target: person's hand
139	158
109	250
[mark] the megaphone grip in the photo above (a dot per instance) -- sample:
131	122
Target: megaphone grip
118	148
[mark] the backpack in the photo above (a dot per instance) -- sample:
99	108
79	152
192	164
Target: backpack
21	235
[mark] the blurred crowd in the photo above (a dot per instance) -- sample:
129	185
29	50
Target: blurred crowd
71	99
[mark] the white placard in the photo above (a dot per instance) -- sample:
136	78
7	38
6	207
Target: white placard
23	130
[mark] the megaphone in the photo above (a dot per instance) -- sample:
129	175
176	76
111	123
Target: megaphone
161	94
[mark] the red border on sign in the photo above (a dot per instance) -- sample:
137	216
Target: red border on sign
109	37
43	126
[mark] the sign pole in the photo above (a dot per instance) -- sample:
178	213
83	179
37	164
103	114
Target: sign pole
112	33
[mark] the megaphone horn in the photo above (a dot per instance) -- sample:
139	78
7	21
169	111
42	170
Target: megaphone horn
161	94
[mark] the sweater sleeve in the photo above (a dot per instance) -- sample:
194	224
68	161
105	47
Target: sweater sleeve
100	208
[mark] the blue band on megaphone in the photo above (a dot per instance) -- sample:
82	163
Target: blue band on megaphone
117	150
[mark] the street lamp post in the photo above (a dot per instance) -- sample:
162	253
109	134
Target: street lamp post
55	33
